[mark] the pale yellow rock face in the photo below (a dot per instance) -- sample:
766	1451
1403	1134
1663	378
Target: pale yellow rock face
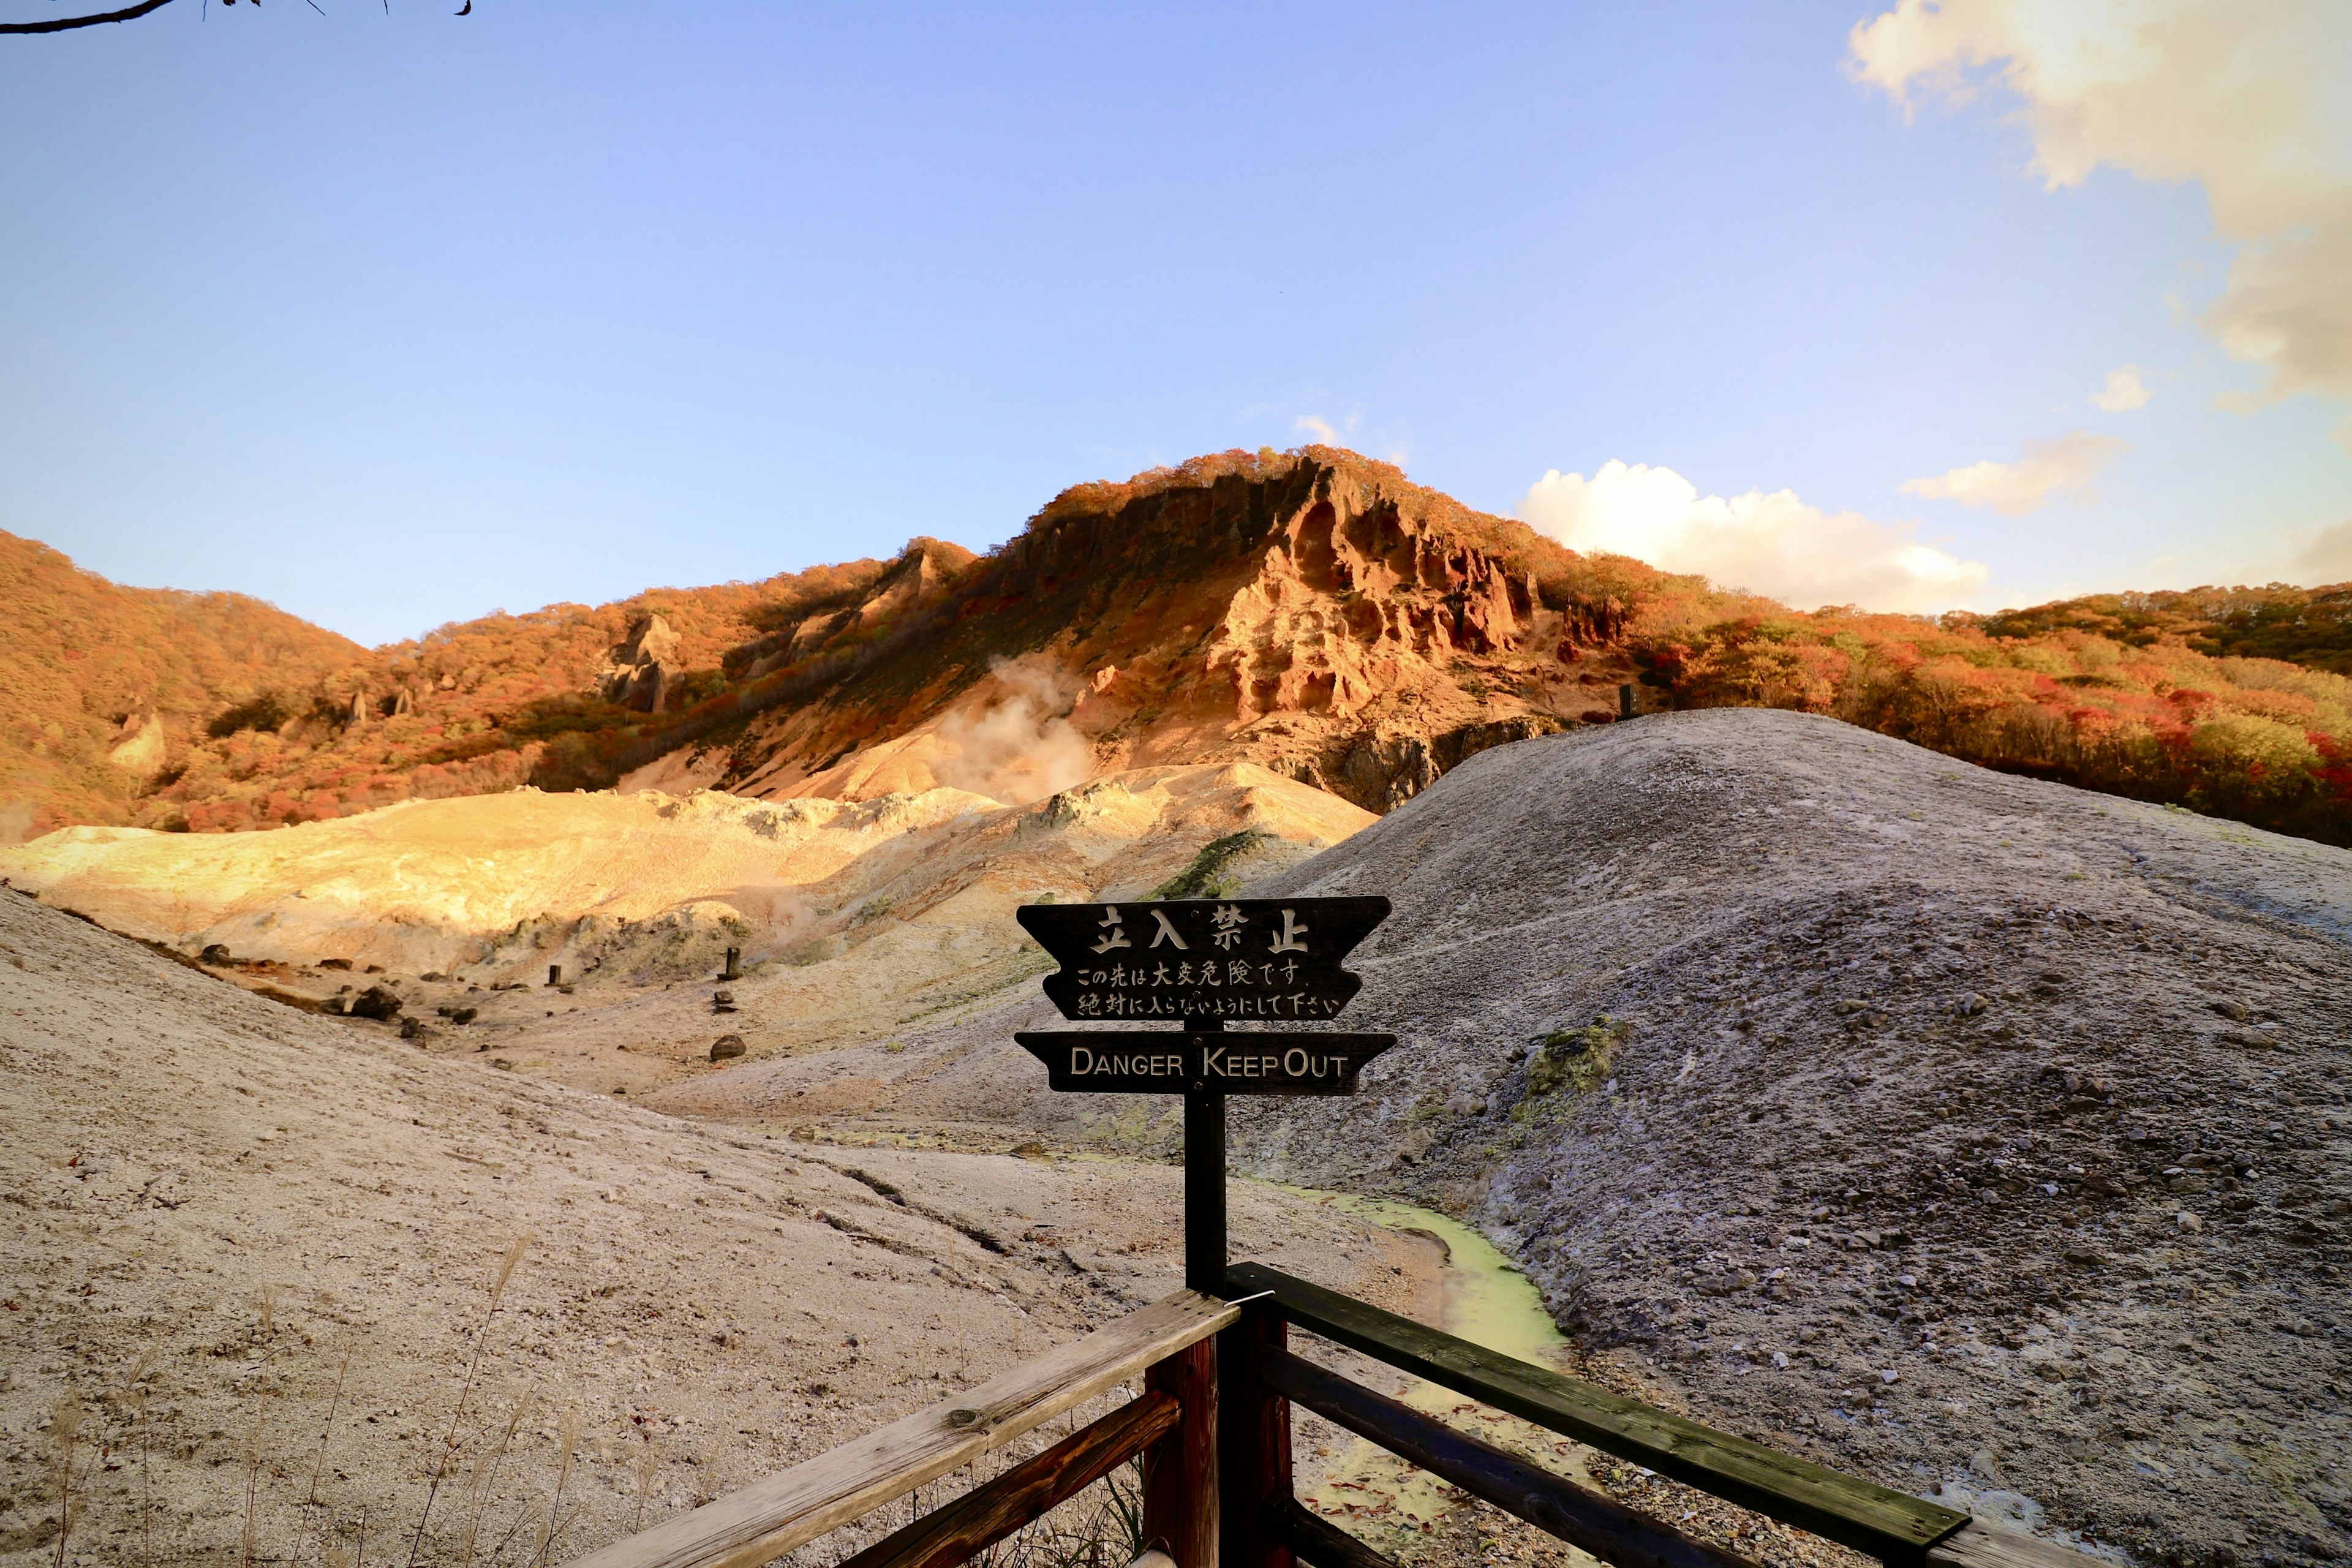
849	912
142	751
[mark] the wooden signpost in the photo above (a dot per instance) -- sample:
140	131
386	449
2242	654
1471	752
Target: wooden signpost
1192	966
1198	964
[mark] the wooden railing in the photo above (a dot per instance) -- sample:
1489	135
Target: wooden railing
1889	1525
769	1518
1212	1430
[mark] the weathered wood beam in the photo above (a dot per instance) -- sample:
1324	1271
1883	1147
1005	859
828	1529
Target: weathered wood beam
1586	1520
772	1516
1877	1519
1974	1546
1253	1449
1315	1541
1180	1473
1025	1493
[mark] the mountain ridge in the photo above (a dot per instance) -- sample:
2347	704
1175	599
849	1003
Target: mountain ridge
1314	611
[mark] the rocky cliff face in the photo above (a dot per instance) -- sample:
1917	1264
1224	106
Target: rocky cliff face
1315	613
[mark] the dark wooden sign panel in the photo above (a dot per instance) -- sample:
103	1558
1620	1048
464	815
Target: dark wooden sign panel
1178	959
1168	1061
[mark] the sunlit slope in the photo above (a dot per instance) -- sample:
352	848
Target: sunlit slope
846	905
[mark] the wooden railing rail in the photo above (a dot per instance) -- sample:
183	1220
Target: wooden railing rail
1028	1491
1887	1524
1884	1523
1212	1430
769	1517
1584	1519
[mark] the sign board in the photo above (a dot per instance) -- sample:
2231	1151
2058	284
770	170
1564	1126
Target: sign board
1178	959
1200	964
1165	1061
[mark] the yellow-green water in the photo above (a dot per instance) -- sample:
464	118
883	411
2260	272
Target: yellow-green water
1486	1301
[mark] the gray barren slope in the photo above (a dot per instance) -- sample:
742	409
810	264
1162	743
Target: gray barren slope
1970	1132
247	1256
1980	1134
1967	1132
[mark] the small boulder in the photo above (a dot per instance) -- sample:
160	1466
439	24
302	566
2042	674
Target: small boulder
216	953
377	1002
726	1046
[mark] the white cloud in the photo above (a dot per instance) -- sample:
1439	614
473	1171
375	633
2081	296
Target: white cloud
1315	424
2245	98
2126	390
2047	469
1773	544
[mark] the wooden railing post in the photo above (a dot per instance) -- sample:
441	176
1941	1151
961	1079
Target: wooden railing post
1255	1441
1179	1471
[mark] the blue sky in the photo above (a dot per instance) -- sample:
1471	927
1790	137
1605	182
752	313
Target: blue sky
393	317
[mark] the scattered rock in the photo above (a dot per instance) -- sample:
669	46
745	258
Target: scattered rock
726	1048
2188	1221
216	953
378	1002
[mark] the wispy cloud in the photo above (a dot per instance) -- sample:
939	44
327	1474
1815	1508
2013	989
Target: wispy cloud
1772	543
2245	99
2126	390
2327	558
1315	424
2048	469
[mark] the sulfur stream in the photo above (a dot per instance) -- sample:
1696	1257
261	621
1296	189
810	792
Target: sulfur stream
1486	1301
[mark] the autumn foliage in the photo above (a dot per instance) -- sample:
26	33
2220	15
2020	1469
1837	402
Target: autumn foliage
2261	740
2235	702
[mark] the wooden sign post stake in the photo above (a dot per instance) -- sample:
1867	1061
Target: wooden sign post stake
1201	963
1204	1188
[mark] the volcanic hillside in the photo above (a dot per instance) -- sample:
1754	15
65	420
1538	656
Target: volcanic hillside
1965	1130
850	919
252	1253
103	686
1313	611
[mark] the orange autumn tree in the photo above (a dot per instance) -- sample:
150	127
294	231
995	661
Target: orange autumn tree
2261	740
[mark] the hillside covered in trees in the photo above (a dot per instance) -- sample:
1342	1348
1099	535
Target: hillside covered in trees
1313	611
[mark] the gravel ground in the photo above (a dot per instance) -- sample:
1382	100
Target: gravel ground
1979	1134
248	1253
1976	1134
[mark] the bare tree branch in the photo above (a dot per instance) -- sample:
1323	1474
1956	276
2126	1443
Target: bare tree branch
64	22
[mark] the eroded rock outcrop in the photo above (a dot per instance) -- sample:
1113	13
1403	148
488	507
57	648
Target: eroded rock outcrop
643	669
1315	613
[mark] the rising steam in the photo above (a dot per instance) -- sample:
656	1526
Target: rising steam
1022	747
